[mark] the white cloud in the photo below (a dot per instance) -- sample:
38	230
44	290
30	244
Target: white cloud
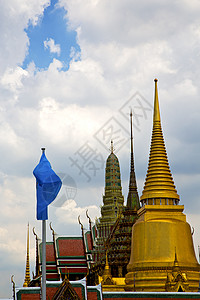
53	48
74	54
124	45
70	211
12	78
15	16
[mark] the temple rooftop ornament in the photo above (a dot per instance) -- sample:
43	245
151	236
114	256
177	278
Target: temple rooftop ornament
176	280
107	277
111	147
161	226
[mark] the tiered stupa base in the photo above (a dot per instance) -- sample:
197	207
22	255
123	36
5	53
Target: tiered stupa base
155	281
162	256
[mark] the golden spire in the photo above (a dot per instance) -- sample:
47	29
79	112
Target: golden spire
159	184
27	276
107	268
176	260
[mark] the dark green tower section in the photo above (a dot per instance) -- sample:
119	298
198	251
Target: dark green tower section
120	246
113	205
112	200
116	221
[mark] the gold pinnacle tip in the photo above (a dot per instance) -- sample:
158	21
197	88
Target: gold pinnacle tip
155	79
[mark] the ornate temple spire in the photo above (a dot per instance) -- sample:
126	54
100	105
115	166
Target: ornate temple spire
27	275
133	199
113	200
176	264
159	184
112	177
107	267
107	277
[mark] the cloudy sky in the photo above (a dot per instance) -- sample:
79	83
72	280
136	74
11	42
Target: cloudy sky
70	71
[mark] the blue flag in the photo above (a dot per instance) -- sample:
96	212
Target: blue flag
48	186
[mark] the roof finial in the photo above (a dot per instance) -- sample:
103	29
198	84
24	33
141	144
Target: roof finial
37	271
176	264
111	147
66	274
88	217
35	234
27	275
107	268
50	226
79	220
13	283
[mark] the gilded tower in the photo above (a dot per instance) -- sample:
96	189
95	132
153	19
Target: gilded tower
162	251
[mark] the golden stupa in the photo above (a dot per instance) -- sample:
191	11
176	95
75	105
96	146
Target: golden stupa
162	251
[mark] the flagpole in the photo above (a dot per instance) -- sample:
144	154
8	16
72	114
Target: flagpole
199	262
43	255
43	259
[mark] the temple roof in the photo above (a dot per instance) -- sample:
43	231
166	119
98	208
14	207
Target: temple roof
70	247
66	251
66	291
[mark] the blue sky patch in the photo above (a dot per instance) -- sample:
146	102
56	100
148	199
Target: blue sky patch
50	39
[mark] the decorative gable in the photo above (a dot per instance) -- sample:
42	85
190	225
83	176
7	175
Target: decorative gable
66	291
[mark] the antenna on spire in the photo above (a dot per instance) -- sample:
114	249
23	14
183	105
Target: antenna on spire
112	147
